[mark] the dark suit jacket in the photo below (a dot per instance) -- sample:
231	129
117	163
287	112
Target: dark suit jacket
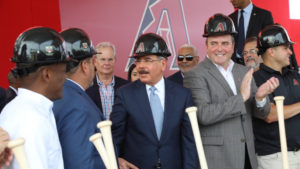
225	120
134	130
76	118
176	77
260	18
94	94
2	98
10	94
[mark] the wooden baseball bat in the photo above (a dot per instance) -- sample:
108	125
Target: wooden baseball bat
105	127
191	111
279	107
17	146
98	143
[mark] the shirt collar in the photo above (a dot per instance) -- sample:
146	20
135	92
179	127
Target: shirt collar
37	98
101	83
220	68
270	70
159	85
248	9
12	88
76	84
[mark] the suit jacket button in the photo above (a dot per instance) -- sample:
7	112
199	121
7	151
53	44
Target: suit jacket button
243	118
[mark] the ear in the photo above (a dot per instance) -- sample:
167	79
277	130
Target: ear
46	73
84	66
164	63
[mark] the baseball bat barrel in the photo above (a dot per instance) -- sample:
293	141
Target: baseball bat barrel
17	147
191	111
105	128
98	143
279	106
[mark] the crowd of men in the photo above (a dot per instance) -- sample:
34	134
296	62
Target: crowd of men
62	87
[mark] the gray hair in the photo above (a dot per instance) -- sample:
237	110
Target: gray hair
190	46
107	44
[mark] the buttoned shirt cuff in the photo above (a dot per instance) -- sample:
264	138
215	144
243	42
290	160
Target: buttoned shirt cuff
262	103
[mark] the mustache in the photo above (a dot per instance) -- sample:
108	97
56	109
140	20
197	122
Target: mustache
143	71
250	58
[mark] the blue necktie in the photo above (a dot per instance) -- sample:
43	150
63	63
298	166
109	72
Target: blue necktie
241	35
157	111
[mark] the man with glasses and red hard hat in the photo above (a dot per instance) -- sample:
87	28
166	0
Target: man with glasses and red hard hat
251	58
227	98
274	47
187	59
149	123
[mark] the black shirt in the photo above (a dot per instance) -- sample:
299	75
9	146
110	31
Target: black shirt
267	140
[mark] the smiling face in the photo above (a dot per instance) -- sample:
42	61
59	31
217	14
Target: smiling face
186	65
220	49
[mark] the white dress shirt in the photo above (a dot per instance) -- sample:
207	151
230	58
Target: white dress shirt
160	91
30	116
228	76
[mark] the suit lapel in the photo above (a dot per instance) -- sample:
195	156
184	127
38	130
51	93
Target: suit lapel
235	18
169	104
238	77
144	106
214	72
252	21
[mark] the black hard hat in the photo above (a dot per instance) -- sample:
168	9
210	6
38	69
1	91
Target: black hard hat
150	44
219	24
272	36
78	44
36	47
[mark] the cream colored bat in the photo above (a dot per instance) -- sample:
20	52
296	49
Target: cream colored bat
191	111
280	114
17	146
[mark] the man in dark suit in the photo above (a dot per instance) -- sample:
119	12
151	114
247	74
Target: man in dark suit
150	126
226	97
76	114
2	98
255	19
105	83
187	59
12	90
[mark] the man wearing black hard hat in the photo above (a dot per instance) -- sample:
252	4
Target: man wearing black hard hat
227	98
274	46
150	126
40	60
76	114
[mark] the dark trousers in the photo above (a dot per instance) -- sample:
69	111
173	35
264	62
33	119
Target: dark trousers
247	160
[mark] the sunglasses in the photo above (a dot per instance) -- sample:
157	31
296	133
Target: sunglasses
187	57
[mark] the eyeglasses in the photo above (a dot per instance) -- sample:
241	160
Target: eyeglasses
251	51
187	57
146	61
